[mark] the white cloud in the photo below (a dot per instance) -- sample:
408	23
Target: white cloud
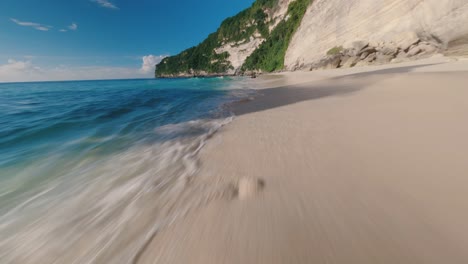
149	63
31	24
73	26
106	4
14	70
42	27
25	71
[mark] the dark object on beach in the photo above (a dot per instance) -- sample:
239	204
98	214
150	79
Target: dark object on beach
253	76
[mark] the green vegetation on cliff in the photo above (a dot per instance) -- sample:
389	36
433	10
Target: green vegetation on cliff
334	50
270	55
237	29
240	26
198	58
204	58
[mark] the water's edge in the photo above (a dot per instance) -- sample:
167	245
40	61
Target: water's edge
100	190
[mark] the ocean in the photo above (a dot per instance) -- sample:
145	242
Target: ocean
90	171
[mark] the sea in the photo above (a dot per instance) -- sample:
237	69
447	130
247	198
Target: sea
91	171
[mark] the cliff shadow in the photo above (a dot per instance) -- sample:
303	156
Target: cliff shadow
270	98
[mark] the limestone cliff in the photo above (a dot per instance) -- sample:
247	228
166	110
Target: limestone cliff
347	33
239	51
225	51
275	35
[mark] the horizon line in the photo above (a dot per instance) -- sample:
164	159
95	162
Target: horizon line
85	80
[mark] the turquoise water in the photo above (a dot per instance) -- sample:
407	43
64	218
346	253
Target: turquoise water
90	170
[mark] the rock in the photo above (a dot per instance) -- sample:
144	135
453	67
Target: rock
370	58
367	50
329	62
343	59
360	45
314	67
382	58
329	23
356	47
318	65
390	50
347	52
333	62
415	50
406	40
427	48
364	55
400	57
248	187
349	62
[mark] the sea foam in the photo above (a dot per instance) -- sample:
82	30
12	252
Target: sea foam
101	188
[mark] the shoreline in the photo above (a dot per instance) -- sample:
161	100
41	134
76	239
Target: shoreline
364	165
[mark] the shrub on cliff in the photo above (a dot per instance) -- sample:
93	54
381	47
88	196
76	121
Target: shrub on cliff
270	55
234	29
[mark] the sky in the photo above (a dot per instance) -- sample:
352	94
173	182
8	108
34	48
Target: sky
46	40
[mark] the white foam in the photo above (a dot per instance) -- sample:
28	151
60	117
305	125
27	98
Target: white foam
105	208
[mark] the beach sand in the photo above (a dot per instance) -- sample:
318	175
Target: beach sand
365	165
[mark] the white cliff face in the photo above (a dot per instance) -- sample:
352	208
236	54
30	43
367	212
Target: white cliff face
278	14
378	23
238	52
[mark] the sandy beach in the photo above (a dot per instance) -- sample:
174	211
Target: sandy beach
365	165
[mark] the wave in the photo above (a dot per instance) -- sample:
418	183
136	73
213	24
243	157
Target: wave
110	207
91	178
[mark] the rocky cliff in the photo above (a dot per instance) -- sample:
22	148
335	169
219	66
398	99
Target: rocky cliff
260	35
347	33
275	35
239	51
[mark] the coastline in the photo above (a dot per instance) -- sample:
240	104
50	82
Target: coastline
363	165
187	76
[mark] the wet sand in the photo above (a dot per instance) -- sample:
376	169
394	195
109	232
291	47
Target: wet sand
364	165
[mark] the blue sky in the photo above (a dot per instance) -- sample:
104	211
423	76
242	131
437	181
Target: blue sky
101	39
